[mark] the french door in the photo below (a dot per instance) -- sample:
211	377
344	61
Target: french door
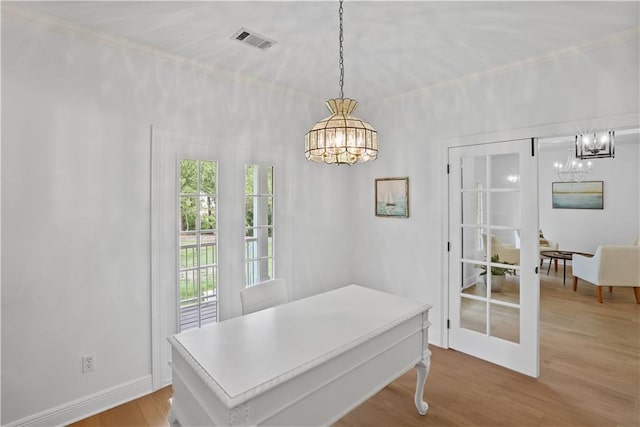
494	289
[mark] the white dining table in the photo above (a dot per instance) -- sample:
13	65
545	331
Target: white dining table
307	362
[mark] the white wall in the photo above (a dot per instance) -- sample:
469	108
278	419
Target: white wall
585	229
75	207
75	191
408	256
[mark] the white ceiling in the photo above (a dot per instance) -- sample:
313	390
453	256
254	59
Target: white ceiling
391	47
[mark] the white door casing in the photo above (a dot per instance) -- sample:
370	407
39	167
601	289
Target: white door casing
492	195
167	150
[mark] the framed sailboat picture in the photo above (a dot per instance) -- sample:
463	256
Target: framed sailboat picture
392	197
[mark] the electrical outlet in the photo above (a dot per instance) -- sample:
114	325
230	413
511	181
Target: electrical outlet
88	363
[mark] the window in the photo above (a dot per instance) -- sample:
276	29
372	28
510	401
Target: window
259	257
198	244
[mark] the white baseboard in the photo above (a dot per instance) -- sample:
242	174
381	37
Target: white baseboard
89	405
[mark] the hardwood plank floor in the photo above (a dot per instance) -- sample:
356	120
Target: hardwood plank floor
590	375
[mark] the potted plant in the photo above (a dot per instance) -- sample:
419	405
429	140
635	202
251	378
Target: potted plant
497	273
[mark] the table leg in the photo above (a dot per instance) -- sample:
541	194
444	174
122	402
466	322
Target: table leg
549	268
423	370
173	420
564	271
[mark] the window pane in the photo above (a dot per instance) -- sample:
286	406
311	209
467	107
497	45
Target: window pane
249	212
188	250
208	178
252	273
188	213
259	223
198	244
208	253
208	284
249	180
270	181
188	177
207	213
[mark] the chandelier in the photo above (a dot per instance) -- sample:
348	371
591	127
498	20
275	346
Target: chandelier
595	145
572	170
341	138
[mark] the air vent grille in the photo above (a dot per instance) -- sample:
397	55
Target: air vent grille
252	38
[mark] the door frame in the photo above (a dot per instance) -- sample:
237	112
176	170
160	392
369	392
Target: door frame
165	148
622	121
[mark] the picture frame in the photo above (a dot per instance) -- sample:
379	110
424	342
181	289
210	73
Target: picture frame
392	197
577	195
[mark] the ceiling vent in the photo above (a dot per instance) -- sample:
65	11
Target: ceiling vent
253	39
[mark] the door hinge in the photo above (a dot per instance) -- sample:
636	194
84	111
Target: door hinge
448	246
448	168
536	270
448	324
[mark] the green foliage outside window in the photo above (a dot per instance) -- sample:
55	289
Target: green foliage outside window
191	200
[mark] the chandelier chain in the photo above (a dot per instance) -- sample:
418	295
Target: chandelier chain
340	11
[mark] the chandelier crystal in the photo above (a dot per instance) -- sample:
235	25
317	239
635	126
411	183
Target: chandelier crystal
341	138
572	170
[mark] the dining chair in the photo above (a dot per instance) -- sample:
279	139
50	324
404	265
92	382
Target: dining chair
263	295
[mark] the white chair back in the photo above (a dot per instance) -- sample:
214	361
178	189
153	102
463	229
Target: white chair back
263	295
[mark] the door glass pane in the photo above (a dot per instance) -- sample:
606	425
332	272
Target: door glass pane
473	245
505	210
472	281
474	172
505	322
505	287
501	251
473	314
474	207
505	171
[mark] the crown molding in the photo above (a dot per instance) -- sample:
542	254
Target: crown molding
61	26
578	49
69	28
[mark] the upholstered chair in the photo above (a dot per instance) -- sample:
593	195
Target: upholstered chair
263	295
545	245
612	265
507	253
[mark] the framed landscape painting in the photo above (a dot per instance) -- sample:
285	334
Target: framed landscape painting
392	197
577	195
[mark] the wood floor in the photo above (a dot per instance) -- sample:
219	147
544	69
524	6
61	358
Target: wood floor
590	375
